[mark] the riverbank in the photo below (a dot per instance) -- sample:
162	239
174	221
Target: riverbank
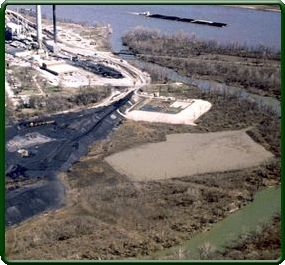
253	245
270	8
255	70
210	244
98	35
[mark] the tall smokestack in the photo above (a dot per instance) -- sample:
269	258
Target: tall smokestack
39	26
54	23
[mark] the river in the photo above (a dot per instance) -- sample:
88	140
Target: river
246	26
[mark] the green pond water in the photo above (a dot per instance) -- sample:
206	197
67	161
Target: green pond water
265	205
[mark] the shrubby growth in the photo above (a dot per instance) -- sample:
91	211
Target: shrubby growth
254	68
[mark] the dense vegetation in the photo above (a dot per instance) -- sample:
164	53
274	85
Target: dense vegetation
256	69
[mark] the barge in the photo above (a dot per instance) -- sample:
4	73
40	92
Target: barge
188	20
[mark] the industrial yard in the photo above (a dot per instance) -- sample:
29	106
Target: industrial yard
63	110
73	67
110	158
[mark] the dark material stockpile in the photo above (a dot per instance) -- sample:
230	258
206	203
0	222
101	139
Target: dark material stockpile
98	69
72	134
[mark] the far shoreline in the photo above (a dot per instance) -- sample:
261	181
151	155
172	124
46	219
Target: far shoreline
257	7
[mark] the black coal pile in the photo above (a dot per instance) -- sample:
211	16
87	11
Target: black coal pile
99	69
72	134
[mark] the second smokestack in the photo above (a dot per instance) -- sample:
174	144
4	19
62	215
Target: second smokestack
54	23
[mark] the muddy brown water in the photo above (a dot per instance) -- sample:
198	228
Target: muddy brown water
190	154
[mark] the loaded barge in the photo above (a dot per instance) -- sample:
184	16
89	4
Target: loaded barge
189	20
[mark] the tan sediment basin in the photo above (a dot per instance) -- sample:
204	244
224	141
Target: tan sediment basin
190	154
